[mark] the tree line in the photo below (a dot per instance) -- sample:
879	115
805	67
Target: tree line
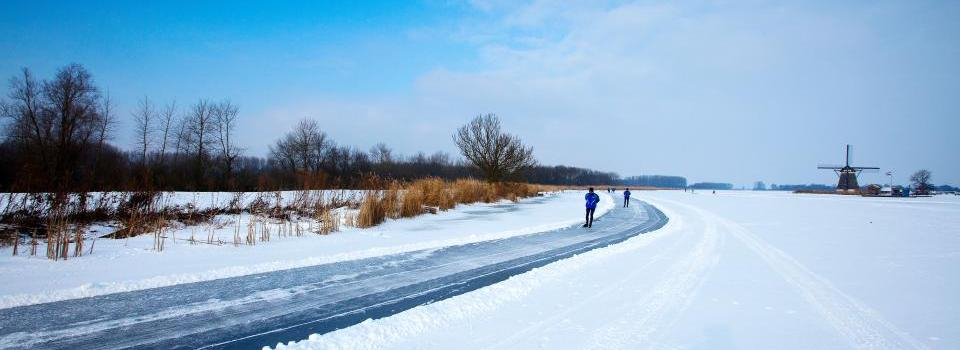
58	133
656	181
712	186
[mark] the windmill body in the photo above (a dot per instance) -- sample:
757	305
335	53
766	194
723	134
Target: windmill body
848	174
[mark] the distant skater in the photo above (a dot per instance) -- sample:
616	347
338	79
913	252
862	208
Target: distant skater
626	198
592	200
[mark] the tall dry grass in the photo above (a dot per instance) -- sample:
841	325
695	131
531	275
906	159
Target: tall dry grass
391	199
473	191
373	210
431	195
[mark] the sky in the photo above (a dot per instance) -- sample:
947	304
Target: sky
737	91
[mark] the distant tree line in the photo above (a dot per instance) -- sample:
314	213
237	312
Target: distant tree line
946	188
802	187
565	175
712	186
655	181
57	137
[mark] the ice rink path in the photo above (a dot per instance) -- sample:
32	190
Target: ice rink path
265	309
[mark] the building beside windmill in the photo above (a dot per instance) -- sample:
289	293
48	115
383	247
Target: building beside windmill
848	174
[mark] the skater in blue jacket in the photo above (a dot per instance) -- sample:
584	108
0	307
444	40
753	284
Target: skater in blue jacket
592	200
626	198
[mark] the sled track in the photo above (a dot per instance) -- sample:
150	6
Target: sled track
858	324
663	304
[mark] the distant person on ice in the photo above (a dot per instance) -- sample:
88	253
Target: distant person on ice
592	200
626	198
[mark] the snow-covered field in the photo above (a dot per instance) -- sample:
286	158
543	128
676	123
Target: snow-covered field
133	264
745	270
730	270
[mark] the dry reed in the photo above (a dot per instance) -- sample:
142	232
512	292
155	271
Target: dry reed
372	209
431	195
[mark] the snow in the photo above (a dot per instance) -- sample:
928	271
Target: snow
198	200
730	270
132	264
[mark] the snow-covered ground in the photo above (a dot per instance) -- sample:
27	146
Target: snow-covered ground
746	270
198	200
133	264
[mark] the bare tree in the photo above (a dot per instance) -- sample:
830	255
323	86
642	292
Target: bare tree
499	155
167	117
305	148
438	158
6	111
143	117
381	154
199	126
225	116
181	138
54	123
72	100
921	181
30	128
104	129
107	122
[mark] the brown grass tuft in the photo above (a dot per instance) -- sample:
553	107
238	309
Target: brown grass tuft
413	200
391	200
372	209
473	191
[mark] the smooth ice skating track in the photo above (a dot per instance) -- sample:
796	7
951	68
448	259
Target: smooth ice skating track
265	309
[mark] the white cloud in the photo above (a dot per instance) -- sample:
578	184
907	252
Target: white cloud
699	90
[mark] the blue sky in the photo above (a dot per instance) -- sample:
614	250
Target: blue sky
714	90
207	49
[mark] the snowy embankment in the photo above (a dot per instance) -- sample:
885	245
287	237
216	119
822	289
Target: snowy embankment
730	270
132	264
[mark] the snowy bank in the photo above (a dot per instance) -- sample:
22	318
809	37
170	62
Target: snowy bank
132	264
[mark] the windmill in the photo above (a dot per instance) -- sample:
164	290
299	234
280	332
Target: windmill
848	174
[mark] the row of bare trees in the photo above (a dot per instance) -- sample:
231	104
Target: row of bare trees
201	135
57	126
307	154
57	138
57	132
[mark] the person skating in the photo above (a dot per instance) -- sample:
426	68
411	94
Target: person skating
592	200
626	198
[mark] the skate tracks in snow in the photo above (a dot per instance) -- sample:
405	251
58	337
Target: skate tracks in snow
688	264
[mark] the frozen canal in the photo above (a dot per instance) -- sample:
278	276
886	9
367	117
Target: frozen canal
269	308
